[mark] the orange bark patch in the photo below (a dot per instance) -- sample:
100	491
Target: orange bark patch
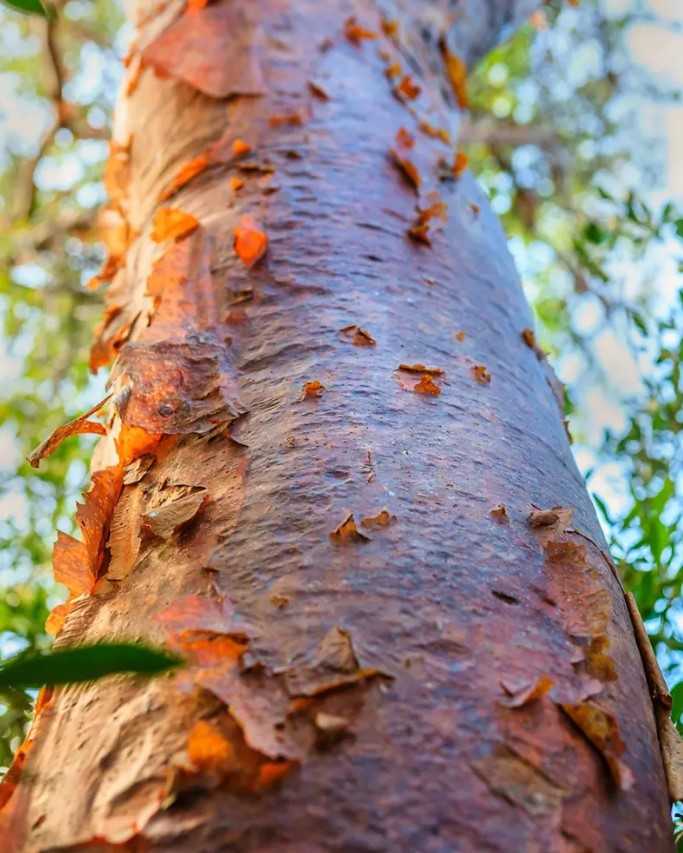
481	374
420	230
169	272
389	27
77	564
236	184
256	168
294	119
400	155
169	223
135	68
44	700
376	522
420	368
117	173
460	163
181	286
558	517
404	139
355	33
392	70
185	174
11	814
196	5
500	513
236	317
460	336
240	147
217	651
456	72
318	90
518	697
78	426
258	703
348	532
133	442
195	46
435	132
251	242
360	337
271	773
56	618
408	88
106	273
207	749
198	614
529	339
71	565
175	388
114	330
313	389
598	662
602	730
428	386
114	231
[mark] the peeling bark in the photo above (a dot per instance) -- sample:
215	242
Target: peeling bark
455	671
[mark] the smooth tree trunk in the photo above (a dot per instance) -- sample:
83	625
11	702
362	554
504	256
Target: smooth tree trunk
335	478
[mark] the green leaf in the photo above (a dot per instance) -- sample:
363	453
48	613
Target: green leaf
677	703
679	227
602	506
28	7
639	322
594	233
84	663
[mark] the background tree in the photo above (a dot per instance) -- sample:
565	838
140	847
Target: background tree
582	256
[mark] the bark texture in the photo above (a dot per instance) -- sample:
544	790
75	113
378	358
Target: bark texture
336	477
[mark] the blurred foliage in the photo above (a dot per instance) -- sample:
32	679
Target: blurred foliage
58	81
555	135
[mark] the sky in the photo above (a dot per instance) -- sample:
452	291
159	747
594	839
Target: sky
657	46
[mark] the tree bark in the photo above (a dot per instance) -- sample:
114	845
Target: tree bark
394	641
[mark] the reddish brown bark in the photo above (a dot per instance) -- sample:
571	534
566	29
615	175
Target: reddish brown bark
342	484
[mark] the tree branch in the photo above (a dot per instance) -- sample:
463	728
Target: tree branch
25	188
497	133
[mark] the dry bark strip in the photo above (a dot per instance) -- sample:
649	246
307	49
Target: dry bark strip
448	682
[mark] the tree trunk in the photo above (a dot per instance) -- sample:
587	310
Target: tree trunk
330	479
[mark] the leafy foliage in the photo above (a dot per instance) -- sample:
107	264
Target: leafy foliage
58	81
567	173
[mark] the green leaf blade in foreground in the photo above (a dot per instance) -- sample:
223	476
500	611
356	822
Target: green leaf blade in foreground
27	7
85	663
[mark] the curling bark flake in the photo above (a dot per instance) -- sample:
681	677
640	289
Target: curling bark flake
335	477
